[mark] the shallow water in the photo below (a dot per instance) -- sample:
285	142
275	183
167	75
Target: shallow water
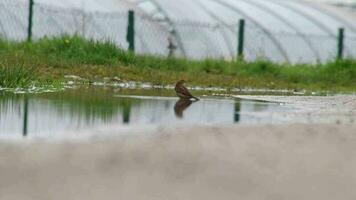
76	111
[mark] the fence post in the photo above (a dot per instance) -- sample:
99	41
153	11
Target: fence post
30	18
340	45
25	117
241	35
126	113
130	37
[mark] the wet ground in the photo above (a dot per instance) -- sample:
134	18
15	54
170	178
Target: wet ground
76	111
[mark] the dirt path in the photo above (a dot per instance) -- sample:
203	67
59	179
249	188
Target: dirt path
294	162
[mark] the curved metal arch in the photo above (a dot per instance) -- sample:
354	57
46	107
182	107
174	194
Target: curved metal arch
143	43
308	17
3	30
265	31
336	17
2	33
54	22
311	18
170	23
21	22
273	13
207	45
229	44
15	18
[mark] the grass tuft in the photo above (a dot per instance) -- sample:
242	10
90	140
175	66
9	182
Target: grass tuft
16	76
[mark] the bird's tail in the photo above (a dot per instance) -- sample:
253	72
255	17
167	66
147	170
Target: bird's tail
195	98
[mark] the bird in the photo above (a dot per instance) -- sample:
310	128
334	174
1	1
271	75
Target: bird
182	92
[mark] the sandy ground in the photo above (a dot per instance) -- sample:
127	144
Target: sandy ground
297	161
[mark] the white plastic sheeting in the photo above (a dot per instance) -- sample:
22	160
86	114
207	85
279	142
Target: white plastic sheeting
279	30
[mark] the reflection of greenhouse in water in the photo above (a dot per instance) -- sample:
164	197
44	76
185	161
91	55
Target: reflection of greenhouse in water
280	30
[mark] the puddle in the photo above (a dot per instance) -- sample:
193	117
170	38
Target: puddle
76	111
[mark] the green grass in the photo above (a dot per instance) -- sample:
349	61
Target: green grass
53	58
16	76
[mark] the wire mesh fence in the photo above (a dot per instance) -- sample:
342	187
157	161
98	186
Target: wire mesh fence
190	39
13	19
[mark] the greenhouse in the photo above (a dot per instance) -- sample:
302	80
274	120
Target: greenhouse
277	30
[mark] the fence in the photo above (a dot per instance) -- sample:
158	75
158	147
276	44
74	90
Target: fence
21	20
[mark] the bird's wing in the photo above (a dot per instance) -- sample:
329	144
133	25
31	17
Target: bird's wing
185	91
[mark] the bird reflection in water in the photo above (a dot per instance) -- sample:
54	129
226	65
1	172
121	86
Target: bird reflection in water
180	106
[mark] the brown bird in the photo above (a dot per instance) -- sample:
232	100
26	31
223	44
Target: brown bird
183	92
